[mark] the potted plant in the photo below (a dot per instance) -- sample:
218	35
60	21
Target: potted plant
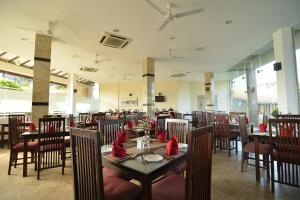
275	113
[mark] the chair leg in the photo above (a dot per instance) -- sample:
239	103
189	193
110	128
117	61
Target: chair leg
16	161
272	175
35	161
242	162
236	146
268	168
63	154
39	166
229	148
10	163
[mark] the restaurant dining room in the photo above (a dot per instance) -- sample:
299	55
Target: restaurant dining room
149	100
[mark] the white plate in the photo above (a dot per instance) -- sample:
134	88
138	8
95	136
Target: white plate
153	158
182	145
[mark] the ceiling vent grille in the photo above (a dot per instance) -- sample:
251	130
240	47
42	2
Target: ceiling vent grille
88	69
114	41
178	75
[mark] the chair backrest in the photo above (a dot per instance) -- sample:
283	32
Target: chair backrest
286	145
87	165
161	121
178	128
131	117
288	116
14	136
83	117
210	118
221	123
108	130
201	119
20	118
51	141
199	164
243	129
98	116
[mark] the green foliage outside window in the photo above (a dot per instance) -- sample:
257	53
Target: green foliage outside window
10	84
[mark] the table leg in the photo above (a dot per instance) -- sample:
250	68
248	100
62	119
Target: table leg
2	136
25	158
146	189
257	159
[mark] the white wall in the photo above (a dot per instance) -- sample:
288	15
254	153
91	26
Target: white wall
222	91
184	97
197	88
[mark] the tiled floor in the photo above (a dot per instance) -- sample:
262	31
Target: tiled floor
228	182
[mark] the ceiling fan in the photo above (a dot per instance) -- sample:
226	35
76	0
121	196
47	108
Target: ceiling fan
170	16
171	54
49	31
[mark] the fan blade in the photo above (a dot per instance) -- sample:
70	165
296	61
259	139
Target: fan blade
58	39
187	13
27	29
155	7
167	20
170	53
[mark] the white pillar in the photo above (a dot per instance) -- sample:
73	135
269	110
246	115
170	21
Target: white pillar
209	91
287	82
148	87
72	90
252	96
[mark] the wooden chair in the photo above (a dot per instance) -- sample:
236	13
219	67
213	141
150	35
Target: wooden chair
222	135
161	122
83	119
17	146
51	151
108	130
249	147
178	128
95	118
197	185
286	151
89	182
288	116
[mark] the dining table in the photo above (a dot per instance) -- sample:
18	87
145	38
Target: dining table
258	137
29	136
137	166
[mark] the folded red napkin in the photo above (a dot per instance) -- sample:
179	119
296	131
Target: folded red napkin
161	135
72	124
118	150
262	128
122	137
286	132
32	127
172	146
129	124
247	120
152	124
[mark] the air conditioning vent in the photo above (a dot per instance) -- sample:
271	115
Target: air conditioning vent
88	69
115	41
178	75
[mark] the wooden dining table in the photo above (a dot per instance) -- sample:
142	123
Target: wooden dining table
136	167
258	137
29	136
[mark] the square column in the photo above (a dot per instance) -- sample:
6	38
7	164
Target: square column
72	90
252	96
287	81
148	87
41	77
209	91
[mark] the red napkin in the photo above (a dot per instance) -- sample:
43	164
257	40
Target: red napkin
129	124
247	120
172	146
286	132
161	135
32	127
72	124
262	128
122	137
118	150
152	124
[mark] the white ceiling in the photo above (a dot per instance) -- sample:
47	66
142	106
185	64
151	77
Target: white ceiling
81	24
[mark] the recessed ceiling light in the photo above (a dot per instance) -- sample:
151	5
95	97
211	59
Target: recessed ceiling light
116	30
228	21
113	67
24	39
172	38
75	56
187	72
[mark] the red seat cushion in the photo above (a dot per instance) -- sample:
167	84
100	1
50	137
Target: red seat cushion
170	188
32	146
117	189
263	148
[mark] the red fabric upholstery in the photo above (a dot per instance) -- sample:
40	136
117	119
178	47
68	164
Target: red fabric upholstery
263	148
111	172
20	147
170	188
117	189
290	153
